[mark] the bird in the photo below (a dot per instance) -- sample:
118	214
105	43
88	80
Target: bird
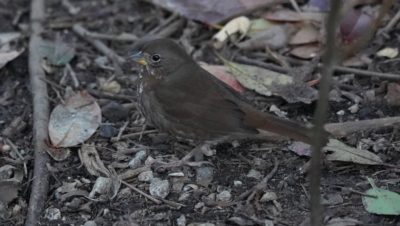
177	96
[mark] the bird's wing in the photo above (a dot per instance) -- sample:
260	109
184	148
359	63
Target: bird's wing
199	102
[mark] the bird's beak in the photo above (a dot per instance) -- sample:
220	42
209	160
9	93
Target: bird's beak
138	57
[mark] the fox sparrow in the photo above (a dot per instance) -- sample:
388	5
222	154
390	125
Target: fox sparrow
181	98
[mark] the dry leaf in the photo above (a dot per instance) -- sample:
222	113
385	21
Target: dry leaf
343	221
284	15
275	37
210	11
306	51
269	83
91	160
8	191
109	86
338	151
258	25
6	57
75	121
388	52
307	34
238	25
220	72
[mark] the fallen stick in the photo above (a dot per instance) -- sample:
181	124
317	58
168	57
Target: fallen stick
40	180
342	129
100	46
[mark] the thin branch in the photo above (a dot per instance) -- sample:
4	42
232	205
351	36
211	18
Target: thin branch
40	183
342	129
389	26
100	46
356	71
321	115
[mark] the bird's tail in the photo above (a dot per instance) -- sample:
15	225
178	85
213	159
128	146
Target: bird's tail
283	127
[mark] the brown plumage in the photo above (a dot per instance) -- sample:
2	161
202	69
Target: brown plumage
178	96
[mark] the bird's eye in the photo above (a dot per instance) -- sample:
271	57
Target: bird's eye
155	58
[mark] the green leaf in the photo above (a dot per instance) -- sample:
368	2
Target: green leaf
381	201
57	53
258	25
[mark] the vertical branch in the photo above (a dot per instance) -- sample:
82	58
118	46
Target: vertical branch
321	115
40	180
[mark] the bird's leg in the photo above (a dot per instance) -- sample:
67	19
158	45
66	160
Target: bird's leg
196	152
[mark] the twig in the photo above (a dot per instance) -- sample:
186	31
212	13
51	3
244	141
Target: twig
176	205
345	128
264	6
342	69
111	96
73	75
100	46
360	72
261	185
40	182
72	10
124	37
295	6
163	24
391	23
18	16
151	198
132	135
14	148
321	115
269	66
170	29
121	130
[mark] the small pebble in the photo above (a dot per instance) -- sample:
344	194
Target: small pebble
5	148
107	131
268	196
268	223
114	111
102	186
52	214
90	223
199	205
201	224
181	220
224	196
210	198
184	196
354	108
159	188
254	174
237	183
149	161
190	187
176	174
146	176
204	175
136	162
341	112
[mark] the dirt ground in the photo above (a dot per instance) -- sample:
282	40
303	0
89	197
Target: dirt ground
215	201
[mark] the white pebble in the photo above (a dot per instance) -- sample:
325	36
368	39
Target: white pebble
224	196
146	176
159	188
